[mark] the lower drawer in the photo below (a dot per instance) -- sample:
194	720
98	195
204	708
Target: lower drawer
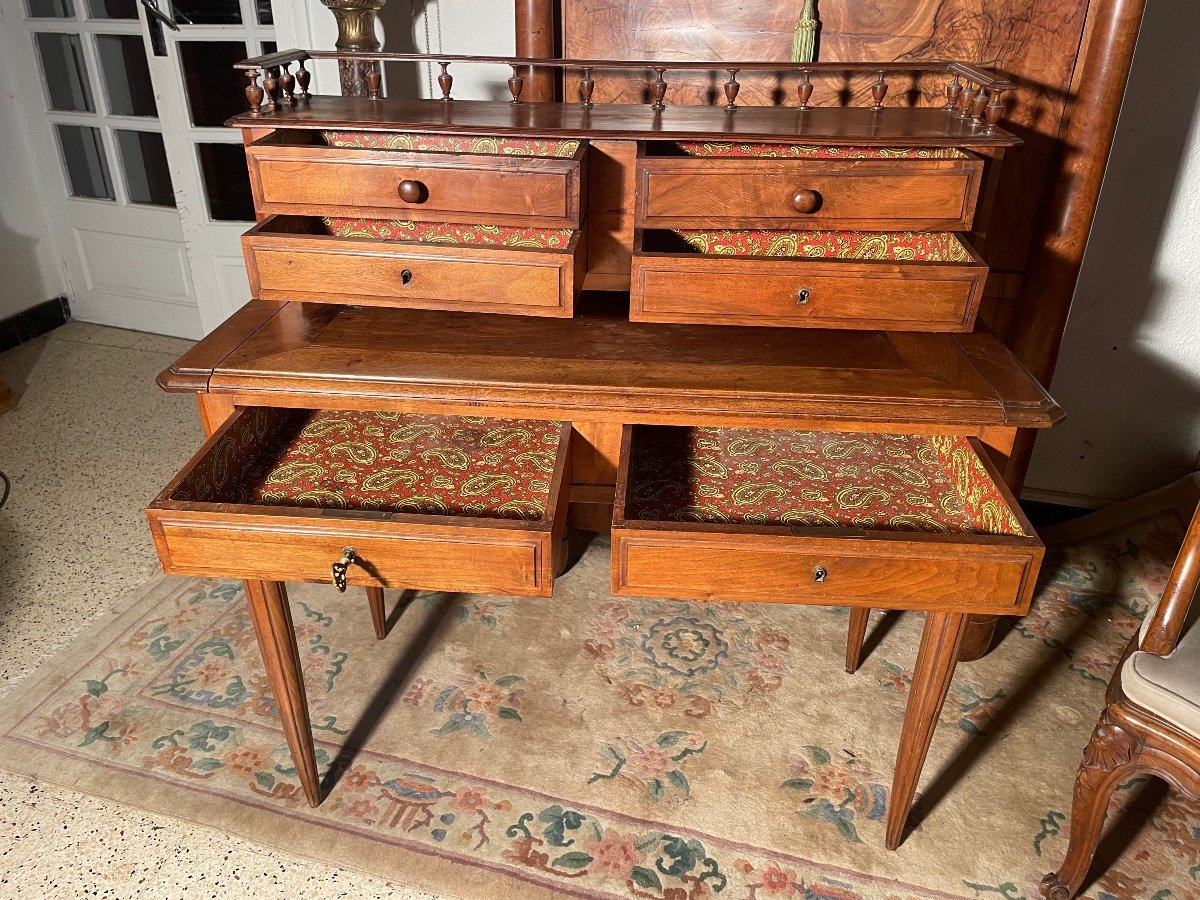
881	520
433	502
905	281
488	268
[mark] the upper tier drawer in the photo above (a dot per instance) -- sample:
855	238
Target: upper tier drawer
417	265
899	281
358	174
446	503
861	191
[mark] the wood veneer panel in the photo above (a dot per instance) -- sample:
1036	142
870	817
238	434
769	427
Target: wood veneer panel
605	368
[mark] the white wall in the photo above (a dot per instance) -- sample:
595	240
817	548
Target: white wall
1129	372
29	269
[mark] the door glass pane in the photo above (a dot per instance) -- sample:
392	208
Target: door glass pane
112	9
64	72
50	9
87	166
126	75
226	182
215	90
208	12
144	161
265	16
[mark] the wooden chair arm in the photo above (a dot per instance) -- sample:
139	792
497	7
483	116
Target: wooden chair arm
1166	625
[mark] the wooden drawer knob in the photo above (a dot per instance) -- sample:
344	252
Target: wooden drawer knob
412	191
806	201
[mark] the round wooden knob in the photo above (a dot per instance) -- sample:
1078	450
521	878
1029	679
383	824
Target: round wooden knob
412	191
806	201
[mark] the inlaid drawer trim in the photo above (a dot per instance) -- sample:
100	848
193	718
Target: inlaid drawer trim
207	521
837	563
673	281
295	172
296	258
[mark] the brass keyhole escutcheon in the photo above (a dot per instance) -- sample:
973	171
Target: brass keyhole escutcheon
820	573
412	191
338	569
806	201
802	296
406	276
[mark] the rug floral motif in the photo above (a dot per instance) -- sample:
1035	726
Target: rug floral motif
599	747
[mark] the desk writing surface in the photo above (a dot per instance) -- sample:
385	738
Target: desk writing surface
600	366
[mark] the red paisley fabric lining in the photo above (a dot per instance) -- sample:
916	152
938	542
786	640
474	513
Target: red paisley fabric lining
794	151
899	246
394	462
451	233
450	143
887	482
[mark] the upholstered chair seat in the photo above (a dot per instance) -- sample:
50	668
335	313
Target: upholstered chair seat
1168	686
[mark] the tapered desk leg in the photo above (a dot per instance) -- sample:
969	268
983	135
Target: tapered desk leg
281	658
378	615
859	617
936	657
977	641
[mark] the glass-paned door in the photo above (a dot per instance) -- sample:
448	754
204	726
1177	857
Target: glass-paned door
194	76
97	134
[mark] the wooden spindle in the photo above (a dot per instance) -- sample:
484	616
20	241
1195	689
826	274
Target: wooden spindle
804	90
288	82
586	86
373	78
878	91
658	90
978	105
445	81
271	86
953	90
731	89
516	84
254	93
303	78
970	92
994	111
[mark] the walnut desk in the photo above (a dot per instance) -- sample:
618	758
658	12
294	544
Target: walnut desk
761	370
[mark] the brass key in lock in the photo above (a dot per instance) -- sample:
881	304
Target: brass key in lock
338	569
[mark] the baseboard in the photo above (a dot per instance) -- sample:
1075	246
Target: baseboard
33	322
1064	498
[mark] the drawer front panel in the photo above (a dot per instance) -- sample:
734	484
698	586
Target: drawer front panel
486	279
910	194
321	181
447	559
780	569
802	293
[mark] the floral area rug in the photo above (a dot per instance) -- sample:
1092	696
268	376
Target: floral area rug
590	746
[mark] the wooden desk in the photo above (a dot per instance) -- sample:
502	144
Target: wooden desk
590	194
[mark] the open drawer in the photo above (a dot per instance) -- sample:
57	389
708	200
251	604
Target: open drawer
763	186
306	172
421	265
843	519
910	281
434	502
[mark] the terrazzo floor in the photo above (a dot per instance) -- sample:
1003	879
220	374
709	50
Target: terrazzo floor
90	441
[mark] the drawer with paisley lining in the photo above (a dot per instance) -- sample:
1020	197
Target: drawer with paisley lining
693	185
899	281
846	519
390	499
391	175
420	265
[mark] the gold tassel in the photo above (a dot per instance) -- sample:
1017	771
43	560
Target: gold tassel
804	42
